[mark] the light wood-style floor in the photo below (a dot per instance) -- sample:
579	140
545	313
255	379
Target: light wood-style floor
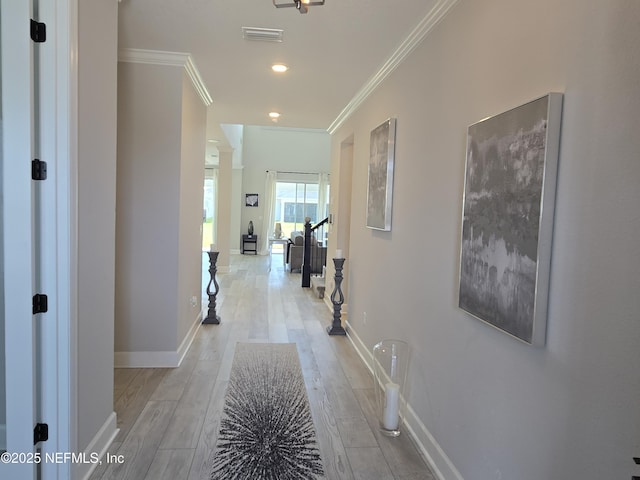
169	418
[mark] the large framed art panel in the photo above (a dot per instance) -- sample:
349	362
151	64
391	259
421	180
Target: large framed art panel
380	186
507	221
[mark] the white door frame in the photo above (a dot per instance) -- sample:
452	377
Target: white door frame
58	115
56	335
17	118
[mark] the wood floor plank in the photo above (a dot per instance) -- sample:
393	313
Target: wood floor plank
170	464
332	450
186	422
135	397
122	377
310	370
205	449
101	468
175	380
354	368
368	463
356	432
141	444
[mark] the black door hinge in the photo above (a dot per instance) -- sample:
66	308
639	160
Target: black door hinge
40	303
38	170
40	433
38	31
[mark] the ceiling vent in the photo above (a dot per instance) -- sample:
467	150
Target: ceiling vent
262	34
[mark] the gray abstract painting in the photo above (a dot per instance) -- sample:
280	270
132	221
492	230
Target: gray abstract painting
381	165
508	217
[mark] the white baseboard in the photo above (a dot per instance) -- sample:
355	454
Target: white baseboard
99	444
438	462
168	359
188	339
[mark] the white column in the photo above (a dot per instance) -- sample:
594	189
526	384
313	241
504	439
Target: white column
223	205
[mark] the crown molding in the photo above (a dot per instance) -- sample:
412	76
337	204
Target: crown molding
197	81
416	36
171	59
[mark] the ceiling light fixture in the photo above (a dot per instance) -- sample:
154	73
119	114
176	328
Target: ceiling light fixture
301	5
274	115
279	68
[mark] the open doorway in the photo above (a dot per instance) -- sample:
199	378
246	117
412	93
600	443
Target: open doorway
209	220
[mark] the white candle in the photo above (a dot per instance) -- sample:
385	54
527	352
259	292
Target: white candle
391	406
338	253
394	362
212	247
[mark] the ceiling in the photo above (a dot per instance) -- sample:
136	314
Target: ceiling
332	52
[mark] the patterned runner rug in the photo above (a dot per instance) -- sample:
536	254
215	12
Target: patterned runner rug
266	431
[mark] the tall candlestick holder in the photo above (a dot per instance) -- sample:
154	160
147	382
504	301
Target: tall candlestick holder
212	317
337	298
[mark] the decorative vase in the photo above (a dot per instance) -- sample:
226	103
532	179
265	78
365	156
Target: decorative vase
250	231
278	231
390	358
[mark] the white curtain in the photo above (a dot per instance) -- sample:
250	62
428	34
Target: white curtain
269	212
323	183
214	224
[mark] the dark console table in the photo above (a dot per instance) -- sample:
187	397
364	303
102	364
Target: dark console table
248	241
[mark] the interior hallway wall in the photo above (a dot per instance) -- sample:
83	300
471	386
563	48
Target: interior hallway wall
149	143
161	151
97	118
193	143
497	408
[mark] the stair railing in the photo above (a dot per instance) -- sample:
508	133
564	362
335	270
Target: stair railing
314	256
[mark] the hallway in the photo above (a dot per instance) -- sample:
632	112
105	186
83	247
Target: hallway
169	418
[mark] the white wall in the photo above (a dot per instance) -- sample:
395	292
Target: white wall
97	64
161	149
149	143
500	409
281	149
194	119
236	208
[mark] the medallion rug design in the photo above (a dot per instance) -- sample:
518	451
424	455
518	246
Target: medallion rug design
266	431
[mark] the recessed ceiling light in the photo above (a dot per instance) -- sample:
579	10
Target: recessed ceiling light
279	68
274	115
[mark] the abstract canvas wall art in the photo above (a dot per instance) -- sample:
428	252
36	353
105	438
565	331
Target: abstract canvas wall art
380	186
509	195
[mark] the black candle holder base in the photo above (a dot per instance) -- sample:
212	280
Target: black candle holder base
211	320
212	317
337	298
336	330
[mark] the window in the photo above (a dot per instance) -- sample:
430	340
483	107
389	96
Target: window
296	212
294	202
